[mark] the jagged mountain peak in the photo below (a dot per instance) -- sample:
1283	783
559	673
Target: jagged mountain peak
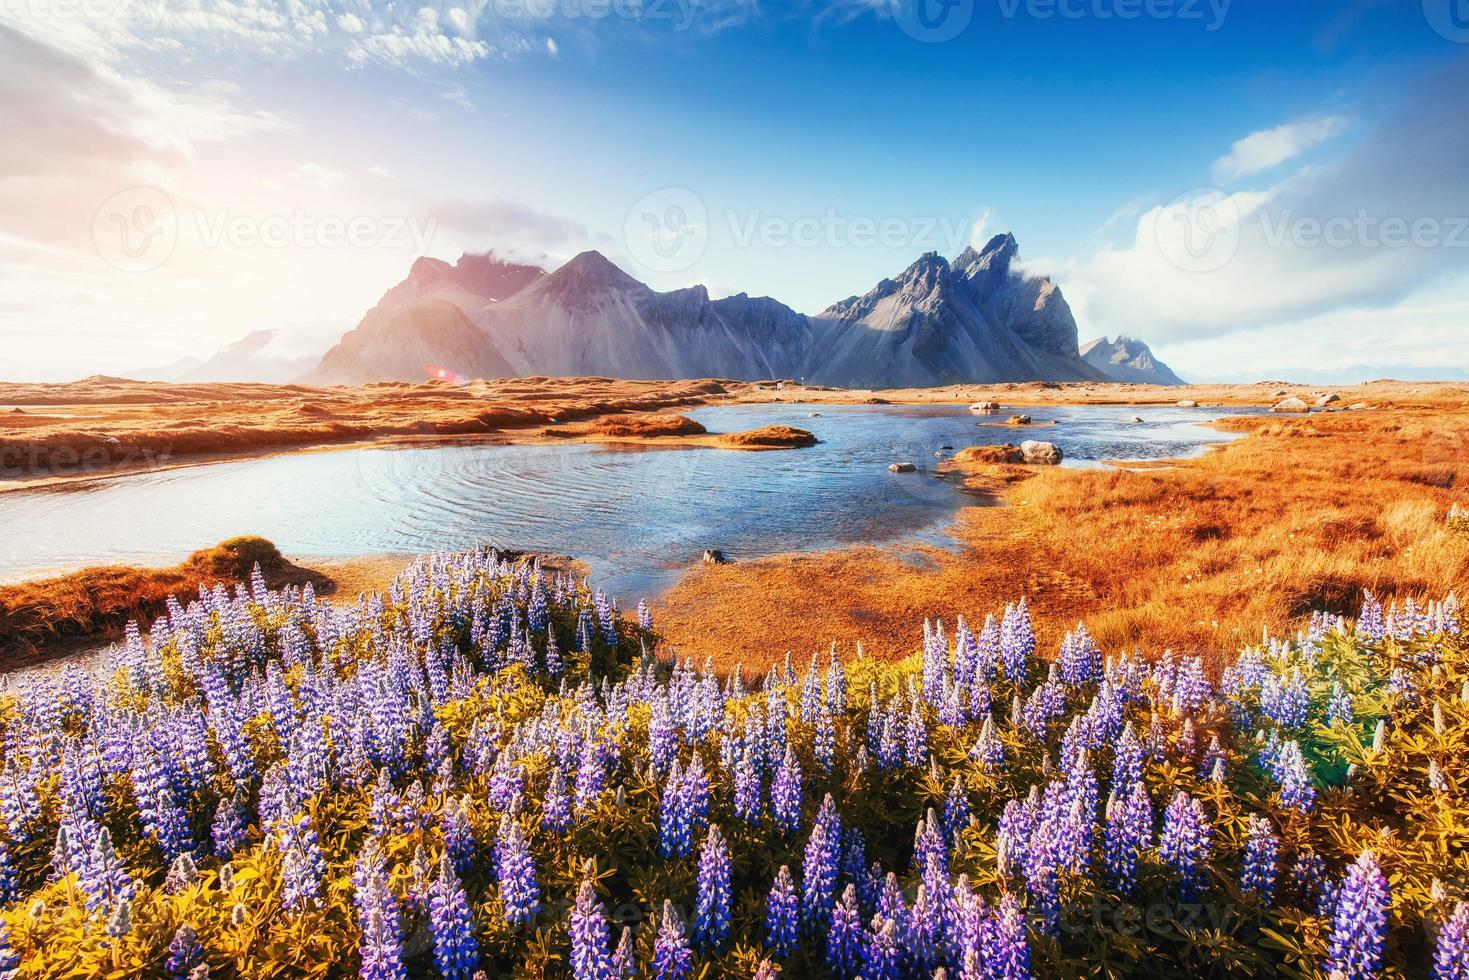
592	269
1128	359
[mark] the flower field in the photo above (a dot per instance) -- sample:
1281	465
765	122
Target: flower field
486	770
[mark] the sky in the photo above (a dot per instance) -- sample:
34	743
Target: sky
1257	188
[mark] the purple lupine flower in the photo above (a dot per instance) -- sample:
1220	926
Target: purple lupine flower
184	953
711	913
1186	842
1127	762
1128	831
672	957
1290	770
102	877
782	914
1307	876
556	808
9	958
844	938
382	937
989	751
967	923
956	811
1359	921
645	616
1080	658
1340	707
304	864
459	840
1257	873
1007	952
675	831
230	828
819	867
516	870
589	936
456	952
1017	642
624	957
1451	959
785	794
881	958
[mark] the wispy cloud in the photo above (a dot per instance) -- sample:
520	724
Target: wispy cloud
1267	149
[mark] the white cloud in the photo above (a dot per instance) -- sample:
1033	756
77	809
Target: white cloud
1385	218
979	231
1266	149
551	47
378	170
319	175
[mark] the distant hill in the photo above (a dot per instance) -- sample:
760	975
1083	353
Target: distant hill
1128	359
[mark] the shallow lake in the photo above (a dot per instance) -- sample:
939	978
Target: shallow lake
638	516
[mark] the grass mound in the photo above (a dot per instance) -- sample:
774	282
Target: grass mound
99	602
646	425
770	437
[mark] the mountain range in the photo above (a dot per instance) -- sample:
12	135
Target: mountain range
977	319
974	320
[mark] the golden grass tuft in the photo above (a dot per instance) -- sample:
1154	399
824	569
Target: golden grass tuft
646	425
769	437
98	602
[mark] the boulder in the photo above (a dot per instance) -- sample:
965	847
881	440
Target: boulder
1290	405
901	468
985	407
1137	418
714	556
1040	452
1327	399
1018	420
1357	407
1186	403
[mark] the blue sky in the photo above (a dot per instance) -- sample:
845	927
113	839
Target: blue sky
801	150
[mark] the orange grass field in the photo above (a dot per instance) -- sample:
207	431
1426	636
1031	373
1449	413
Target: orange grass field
1305	513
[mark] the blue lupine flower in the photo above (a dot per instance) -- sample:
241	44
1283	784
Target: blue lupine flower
1359	921
589	936
881	958
516	870
672	957
782	914
785	794
1186	843
819	867
1007	952
1340	709
1295	781
1257	873
844	938
184	953
456	952
1451	959
711	914
1128	831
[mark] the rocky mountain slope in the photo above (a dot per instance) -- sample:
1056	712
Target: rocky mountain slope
974	320
1128	359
